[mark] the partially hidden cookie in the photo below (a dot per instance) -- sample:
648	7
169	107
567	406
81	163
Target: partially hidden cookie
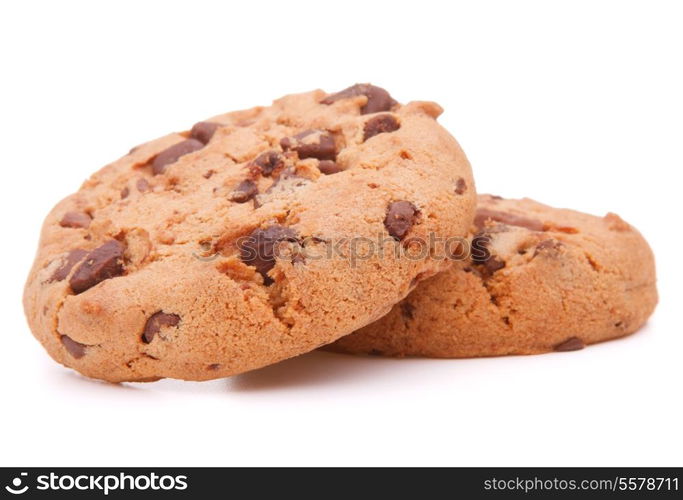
252	237
533	279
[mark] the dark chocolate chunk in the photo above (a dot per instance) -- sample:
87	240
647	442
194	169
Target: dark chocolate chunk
142	185
73	257
571	344
457	250
75	219
76	349
203	131
260	248
480	254
156	322
407	310
329	167
125	192
401	216
244	191
311	144
266	163
378	98
484	214
460	186
105	262
380	124
171	154
492	265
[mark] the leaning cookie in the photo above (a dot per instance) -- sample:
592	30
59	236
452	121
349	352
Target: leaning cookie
537	279
230	246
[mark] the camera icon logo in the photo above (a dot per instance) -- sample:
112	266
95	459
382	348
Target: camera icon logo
16	488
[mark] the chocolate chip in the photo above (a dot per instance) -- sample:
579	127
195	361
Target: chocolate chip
492	265
480	254
484	214
311	144
72	258
244	191
125	192
266	163
142	185
171	155
213	366
156	322
329	167
203	131
401	216
378	98
259	249
457	250
380	124
76	349
105	262
407	310
75	219
571	344
460	186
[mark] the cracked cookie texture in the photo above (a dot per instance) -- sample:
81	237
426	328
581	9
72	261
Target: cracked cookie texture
235	244
532	279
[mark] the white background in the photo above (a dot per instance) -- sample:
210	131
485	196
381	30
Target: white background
575	104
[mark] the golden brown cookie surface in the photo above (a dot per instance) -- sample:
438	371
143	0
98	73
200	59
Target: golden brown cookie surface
227	247
538	279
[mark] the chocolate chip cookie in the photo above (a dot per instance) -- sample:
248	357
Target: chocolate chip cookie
532	279
252	237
